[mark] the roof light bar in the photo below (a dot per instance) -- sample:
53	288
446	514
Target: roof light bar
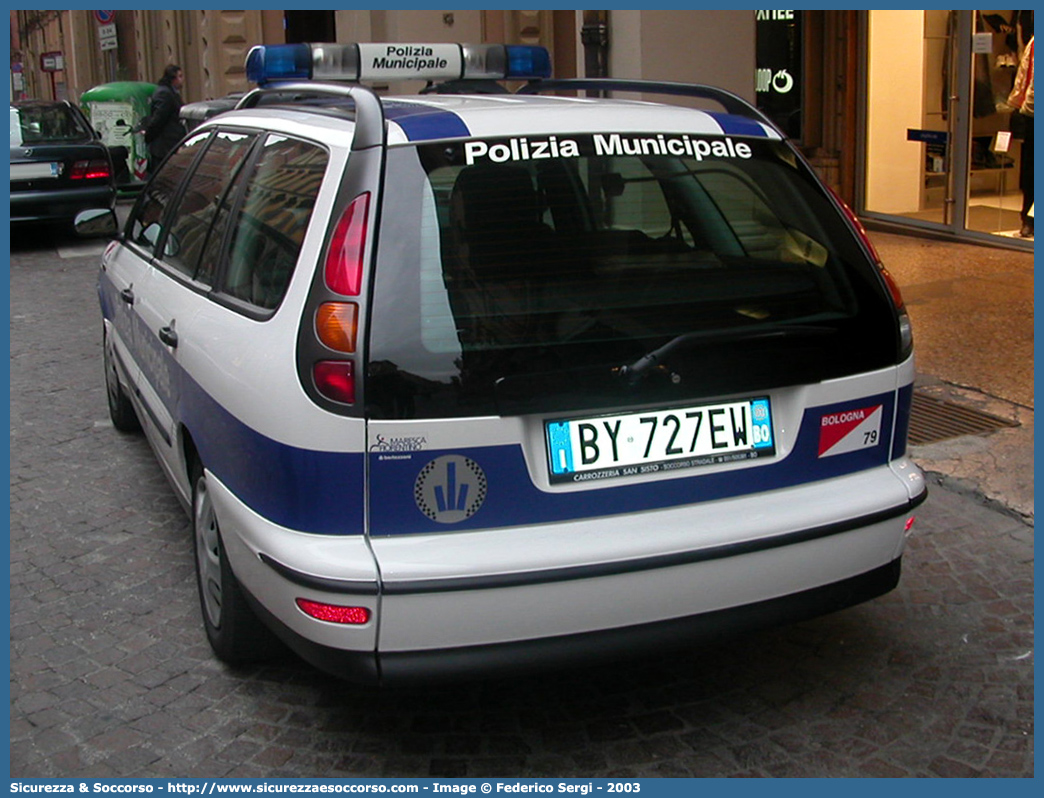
279	62
387	61
527	61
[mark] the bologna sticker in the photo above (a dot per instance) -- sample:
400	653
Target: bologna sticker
850	430
450	489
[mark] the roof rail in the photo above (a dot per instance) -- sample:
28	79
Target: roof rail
369	113
732	103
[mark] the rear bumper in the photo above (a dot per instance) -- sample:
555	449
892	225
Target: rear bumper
507	659
788	563
59	204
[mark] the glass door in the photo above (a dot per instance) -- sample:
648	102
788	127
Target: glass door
1000	168
911	116
940	149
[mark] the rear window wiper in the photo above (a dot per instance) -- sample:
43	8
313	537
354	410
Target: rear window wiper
634	372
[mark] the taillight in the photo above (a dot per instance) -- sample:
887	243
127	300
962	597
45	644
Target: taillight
905	328
333	330
334	613
344	258
335	379
893	287
91	170
335	325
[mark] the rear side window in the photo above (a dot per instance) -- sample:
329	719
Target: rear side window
270	225
204	194
144	226
526	275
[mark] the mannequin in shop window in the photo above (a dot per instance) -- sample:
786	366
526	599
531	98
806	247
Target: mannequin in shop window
1021	99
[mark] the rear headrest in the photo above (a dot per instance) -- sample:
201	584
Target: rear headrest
495	196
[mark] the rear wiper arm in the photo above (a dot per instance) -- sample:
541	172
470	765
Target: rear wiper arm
637	370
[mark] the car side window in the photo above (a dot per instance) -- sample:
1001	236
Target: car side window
213	250
270	225
204	194
145	223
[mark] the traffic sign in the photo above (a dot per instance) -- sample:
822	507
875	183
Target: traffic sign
52	62
105	17
107	36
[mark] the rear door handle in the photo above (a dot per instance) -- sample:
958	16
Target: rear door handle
127	295
168	336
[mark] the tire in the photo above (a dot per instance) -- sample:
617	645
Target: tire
121	411
233	630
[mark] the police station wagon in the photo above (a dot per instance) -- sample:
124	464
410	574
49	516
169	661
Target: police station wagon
466	383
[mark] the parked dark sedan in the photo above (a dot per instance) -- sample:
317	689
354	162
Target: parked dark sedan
59	166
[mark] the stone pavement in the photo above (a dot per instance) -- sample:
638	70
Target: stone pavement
111	674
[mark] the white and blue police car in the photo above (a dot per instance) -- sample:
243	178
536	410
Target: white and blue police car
462	383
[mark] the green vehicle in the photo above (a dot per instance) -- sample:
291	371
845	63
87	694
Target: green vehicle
115	110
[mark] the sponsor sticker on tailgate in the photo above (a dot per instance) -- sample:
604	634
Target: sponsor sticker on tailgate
850	430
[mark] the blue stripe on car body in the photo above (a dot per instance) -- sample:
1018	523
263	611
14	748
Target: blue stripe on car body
732	125
318	492
513	500
301	489
424	123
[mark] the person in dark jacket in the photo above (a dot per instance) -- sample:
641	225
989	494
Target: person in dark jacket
162	127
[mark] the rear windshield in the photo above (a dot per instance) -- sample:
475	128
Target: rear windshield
38	124
538	274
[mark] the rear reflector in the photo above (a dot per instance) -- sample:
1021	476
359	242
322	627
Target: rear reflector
335	379
344	259
334	613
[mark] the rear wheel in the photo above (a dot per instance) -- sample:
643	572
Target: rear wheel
233	630
121	411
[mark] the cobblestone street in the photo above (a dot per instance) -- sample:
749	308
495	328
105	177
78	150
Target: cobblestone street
111	674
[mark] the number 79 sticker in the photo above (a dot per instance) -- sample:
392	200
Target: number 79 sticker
850	431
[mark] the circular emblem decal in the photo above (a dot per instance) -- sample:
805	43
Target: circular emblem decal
450	488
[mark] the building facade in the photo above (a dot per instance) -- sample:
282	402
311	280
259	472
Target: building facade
902	112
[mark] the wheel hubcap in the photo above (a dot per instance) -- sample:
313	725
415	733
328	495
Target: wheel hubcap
208	553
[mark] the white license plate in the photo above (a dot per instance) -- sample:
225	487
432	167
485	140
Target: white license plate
33	171
656	441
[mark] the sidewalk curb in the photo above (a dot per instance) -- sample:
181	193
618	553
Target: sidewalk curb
996	469
938	480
